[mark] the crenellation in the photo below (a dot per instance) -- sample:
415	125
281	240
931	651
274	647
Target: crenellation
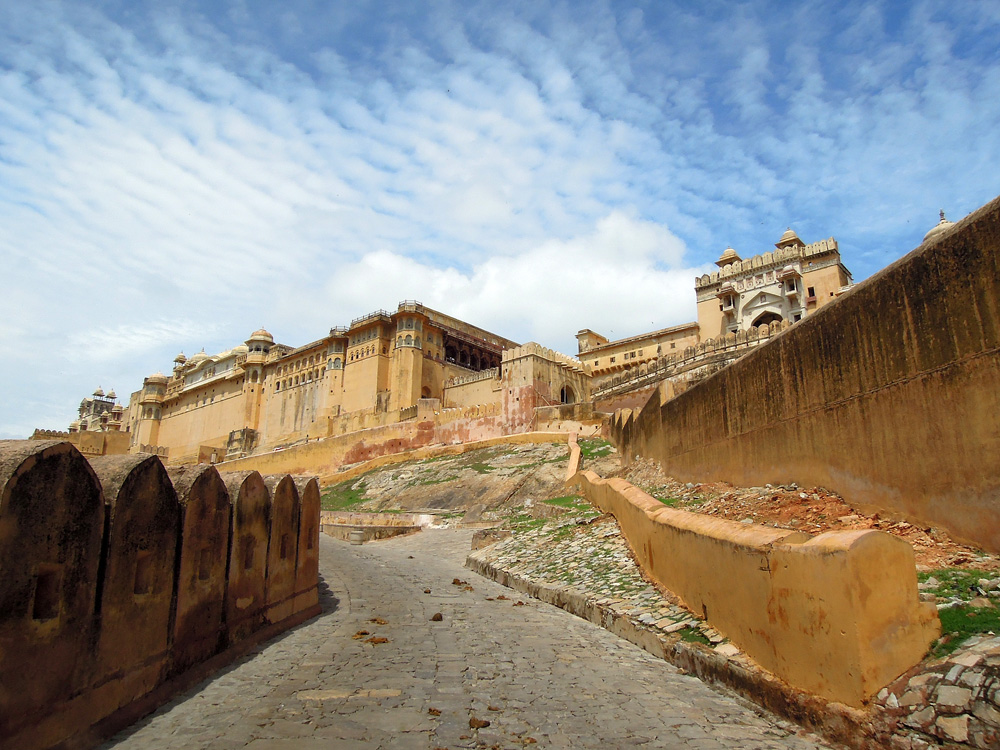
92	580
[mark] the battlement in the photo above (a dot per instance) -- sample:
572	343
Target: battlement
120	576
767	261
531	349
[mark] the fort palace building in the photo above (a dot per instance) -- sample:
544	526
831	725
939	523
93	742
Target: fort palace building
380	370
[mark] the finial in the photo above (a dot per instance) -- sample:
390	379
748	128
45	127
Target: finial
942	215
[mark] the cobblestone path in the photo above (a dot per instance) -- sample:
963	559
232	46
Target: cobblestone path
540	676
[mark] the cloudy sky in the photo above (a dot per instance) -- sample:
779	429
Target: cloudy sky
175	174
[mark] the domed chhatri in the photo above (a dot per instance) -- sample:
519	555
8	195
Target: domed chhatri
789	239
261	335
940	228
728	256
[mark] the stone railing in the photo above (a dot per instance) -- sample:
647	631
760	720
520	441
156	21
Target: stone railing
492	372
122	579
651	373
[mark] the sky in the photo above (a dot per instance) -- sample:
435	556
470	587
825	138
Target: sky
175	175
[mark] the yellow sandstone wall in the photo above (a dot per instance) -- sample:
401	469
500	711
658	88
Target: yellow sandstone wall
837	615
888	395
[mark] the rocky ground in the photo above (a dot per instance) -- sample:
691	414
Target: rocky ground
490	483
810	509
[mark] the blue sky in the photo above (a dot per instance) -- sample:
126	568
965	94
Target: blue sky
174	175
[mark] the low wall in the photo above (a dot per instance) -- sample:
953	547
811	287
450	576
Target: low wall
368	533
887	396
115	584
837	615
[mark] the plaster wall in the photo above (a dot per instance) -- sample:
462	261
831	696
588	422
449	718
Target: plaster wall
201	567
484	390
837	615
887	396
139	576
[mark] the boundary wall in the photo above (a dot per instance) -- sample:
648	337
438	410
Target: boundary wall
887	396
122	584
837	615
316	459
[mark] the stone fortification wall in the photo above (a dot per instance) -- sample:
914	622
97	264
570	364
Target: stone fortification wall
534	376
122	583
837	615
887	396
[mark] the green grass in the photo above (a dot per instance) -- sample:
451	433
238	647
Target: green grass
594	448
959	623
573	502
693	635
954	582
344	495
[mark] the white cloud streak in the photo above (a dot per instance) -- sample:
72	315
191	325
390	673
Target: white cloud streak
171	180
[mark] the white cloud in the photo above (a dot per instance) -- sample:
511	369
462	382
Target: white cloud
169	180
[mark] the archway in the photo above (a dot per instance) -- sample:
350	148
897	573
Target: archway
766	318
566	395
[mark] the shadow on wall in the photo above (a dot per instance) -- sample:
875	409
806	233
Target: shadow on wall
119	578
887	396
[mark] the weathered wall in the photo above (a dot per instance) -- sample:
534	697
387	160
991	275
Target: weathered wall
887	395
246	594
93	568
837	615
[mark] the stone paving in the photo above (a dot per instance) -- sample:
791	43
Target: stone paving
954	699
378	669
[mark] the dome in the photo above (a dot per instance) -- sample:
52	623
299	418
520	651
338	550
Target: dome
938	229
241	349
158	377
99	392
180	358
112	394
199	357
117	409
261	335
789	238
728	256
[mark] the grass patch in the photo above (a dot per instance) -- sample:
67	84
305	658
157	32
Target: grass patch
669	501
423	482
481	468
344	495
958	623
573	502
594	448
693	635
955	582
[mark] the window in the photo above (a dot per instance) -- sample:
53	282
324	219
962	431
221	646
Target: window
811	291
612	359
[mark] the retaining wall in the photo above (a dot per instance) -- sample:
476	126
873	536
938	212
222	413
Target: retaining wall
119	584
887	396
837	615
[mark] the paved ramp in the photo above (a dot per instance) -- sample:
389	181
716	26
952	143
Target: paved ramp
540	676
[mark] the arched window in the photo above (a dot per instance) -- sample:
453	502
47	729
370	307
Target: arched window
409	340
566	395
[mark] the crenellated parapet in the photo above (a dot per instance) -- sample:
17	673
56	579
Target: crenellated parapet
119	577
531	349
768	261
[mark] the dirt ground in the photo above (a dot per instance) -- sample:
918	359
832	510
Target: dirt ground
810	509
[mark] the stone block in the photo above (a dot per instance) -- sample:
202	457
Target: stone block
246	595
307	559
139	576
201	571
51	529
282	547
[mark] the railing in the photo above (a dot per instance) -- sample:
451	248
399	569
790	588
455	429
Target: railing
371	316
492	372
674	364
